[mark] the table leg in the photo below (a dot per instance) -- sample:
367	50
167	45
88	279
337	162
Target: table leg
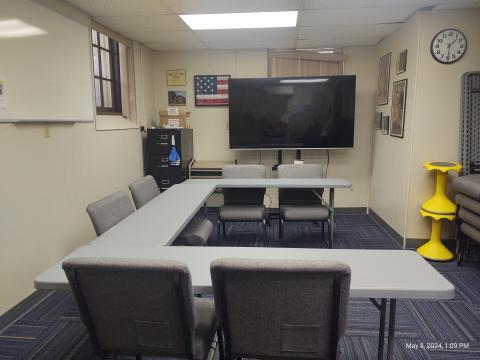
382	307
332	216
391	328
381	331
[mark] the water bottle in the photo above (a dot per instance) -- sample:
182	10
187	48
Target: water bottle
174	158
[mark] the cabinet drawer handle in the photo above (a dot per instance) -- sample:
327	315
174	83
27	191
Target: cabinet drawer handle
162	143
165	182
164	137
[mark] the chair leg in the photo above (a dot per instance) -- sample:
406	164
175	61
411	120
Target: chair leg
264	224
224	230
219	234
323	230
460	248
221	348
280	229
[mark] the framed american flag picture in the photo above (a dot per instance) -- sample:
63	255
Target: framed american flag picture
211	90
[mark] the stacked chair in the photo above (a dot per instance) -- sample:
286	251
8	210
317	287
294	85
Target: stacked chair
468	207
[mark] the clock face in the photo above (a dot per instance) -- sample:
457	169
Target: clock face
448	46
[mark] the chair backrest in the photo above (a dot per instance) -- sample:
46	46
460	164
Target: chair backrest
144	190
299	196
279	308
245	196
109	211
133	306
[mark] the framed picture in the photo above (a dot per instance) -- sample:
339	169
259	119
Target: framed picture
177	98
211	90
385	124
177	77
399	98
383	79
402	61
378	120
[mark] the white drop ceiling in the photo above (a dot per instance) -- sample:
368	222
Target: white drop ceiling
320	23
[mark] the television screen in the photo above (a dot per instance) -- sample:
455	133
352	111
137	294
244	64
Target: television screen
292	113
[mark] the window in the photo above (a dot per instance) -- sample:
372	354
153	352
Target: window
107	70
301	64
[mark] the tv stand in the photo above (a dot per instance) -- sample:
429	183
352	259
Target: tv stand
279	159
298	156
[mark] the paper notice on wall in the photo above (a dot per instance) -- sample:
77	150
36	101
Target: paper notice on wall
3	93
172	111
174	123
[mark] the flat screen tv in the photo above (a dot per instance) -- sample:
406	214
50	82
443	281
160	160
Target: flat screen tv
292	113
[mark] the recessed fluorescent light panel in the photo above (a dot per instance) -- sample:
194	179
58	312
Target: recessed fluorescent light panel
252	20
14	28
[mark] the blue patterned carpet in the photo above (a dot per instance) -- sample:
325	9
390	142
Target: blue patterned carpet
52	329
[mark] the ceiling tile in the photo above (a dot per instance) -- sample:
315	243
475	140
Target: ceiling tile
320	32
124	24
224	6
359	16
121	7
337	42
246	35
161	36
342	4
287	44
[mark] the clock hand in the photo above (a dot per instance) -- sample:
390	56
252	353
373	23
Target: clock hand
452	42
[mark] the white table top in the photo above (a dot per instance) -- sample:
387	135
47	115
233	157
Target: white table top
160	221
273	183
375	273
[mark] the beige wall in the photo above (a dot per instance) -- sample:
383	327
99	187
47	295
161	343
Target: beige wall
437	109
399	183
211	124
391	155
46	183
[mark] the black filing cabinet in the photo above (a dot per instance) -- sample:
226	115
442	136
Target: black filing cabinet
159	146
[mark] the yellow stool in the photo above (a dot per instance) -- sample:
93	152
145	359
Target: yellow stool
440	203
439	207
434	248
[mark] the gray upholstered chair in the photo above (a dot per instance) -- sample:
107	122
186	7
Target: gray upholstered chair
468	214
141	307
242	204
109	211
301	204
144	190
196	233
273	309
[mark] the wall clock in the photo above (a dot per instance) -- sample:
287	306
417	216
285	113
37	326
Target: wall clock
448	46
